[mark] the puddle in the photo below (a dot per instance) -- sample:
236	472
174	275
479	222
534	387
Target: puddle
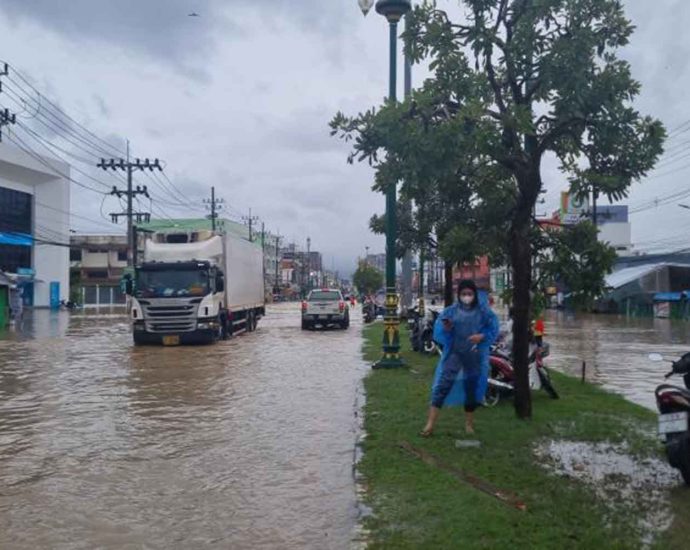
639	487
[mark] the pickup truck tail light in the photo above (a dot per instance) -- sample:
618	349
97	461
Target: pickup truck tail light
304	306
341	305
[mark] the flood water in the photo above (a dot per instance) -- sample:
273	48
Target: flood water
616	350
245	444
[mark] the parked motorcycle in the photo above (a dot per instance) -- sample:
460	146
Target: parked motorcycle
369	312
427	343
673	403
502	374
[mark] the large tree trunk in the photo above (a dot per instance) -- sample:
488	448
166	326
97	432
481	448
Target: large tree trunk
448	297
521	259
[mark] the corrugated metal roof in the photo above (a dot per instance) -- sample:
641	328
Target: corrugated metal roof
630	274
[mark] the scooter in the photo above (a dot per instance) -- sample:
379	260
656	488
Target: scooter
673	403
501	381
426	337
369	311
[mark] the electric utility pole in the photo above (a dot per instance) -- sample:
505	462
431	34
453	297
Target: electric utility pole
308	263
6	118
277	263
250	221
214	205
130	193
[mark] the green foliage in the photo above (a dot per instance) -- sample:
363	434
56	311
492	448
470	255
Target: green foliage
367	278
577	259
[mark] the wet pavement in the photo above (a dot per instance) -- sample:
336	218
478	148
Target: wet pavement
616	350
245	444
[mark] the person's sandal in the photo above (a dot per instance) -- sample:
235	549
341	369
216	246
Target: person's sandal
426	433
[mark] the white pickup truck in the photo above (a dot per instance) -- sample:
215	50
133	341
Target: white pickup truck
325	307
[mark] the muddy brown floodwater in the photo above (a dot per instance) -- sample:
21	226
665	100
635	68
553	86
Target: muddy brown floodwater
245	444
616	350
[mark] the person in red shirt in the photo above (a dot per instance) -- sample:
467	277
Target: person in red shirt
539	332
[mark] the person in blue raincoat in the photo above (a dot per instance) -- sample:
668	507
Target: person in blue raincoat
466	331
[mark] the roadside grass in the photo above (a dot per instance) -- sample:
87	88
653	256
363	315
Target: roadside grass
418	506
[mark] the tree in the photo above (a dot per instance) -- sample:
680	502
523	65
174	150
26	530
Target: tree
576	258
367	278
538	77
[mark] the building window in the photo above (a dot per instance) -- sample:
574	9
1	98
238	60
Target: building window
13	257
75	255
16	216
121	255
97	274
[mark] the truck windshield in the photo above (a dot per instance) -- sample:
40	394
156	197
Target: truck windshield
324	296
156	284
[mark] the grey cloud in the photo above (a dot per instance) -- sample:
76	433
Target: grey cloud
159	28
162	28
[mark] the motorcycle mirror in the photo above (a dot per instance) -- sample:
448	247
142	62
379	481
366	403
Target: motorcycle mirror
656	357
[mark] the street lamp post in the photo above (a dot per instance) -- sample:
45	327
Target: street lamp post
393	11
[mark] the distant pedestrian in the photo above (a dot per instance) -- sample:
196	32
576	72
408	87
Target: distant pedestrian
466	330
539	332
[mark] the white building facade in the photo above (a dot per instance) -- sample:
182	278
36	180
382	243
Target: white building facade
34	225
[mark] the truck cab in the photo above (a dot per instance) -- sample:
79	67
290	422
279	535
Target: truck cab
177	303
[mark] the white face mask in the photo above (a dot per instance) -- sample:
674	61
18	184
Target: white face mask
467	300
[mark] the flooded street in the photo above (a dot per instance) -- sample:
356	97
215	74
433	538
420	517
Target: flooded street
245	444
616	350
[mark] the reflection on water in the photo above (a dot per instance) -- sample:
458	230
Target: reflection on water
616	350
245	444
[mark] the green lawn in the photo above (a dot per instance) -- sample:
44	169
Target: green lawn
420	506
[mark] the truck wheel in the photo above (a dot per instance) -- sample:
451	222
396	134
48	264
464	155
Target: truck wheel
250	322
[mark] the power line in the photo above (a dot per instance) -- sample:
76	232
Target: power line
59	110
21	144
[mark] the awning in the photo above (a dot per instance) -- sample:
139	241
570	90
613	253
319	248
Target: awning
16	239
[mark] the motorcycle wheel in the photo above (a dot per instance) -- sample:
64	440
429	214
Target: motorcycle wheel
546	383
429	346
685	472
492	397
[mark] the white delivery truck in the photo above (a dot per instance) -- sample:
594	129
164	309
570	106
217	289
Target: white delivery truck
196	286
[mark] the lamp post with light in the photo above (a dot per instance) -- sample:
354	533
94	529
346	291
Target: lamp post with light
393	11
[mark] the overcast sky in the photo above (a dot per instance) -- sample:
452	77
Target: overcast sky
240	98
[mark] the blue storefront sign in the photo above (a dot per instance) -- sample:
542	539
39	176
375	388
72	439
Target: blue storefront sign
54	295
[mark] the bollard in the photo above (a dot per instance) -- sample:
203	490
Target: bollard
584	371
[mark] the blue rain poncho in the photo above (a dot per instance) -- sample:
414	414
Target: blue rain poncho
474	360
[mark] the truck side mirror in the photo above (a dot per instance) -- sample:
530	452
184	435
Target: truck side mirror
220	284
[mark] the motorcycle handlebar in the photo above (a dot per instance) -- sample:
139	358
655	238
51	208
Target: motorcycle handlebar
669	374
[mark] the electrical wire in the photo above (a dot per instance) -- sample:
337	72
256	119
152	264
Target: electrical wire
29	151
51	106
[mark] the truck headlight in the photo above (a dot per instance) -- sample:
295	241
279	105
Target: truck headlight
139	326
207	325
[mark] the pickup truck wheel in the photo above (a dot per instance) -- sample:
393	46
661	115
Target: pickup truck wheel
345	324
305	325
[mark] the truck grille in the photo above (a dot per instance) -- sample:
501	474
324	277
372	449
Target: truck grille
171	316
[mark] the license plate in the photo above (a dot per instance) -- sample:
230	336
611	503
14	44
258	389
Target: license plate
673	423
171	340
323	317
